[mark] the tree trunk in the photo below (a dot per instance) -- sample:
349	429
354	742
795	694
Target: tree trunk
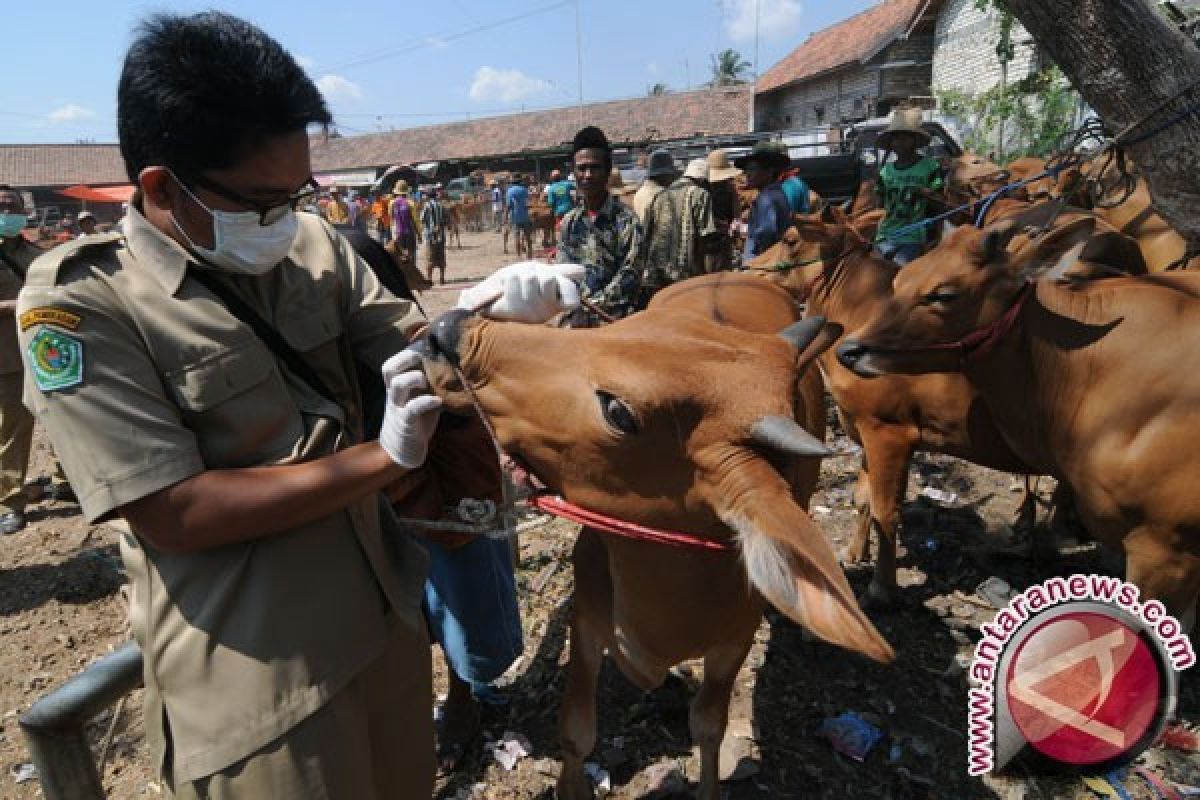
1126	60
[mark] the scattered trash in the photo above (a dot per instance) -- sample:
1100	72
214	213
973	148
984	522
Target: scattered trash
1178	737
930	545
1108	785
510	749
1160	788
851	735
822	510
996	591
939	496
23	773
599	777
664	778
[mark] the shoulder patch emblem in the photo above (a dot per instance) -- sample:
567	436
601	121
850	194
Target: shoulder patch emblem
56	359
49	315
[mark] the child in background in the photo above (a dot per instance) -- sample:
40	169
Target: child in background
904	187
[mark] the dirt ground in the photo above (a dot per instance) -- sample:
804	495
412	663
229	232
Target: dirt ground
62	606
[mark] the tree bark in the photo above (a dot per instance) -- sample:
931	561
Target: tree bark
1126	60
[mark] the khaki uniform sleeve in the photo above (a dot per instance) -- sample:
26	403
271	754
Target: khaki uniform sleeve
379	323
118	436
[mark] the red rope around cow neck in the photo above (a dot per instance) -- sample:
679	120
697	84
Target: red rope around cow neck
981	341
553	504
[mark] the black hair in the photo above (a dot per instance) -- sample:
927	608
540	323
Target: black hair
197	92
592	138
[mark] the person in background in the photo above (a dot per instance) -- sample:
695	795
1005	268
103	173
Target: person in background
601	233
660	173
406	222
771	215
336	211
68	228
797	191
352	210
382	218
497	205
516	216
87	223
723	190
16	423
433	223
197	373
904	187
679	230
560	196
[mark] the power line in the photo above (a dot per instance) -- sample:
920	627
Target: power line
423	42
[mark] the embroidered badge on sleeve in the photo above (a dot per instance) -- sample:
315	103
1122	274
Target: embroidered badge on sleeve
56	359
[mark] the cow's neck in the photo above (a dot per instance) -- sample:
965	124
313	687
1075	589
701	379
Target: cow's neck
853	290
1036	380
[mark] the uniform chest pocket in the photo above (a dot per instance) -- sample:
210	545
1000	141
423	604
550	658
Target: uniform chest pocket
238	406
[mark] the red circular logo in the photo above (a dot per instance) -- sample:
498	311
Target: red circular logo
1084	688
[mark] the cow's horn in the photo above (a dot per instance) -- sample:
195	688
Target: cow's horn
785	435
801	334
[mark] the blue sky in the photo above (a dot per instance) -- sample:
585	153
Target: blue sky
391	64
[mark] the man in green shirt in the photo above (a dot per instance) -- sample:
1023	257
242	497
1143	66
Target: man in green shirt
904	186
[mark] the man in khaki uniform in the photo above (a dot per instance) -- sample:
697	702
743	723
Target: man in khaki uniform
196	370
16	423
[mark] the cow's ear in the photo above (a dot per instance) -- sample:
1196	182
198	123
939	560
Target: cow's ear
991	246
790	562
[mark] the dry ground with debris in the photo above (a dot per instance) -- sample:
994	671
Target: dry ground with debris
61	606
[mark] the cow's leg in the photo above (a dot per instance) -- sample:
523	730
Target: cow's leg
1162	570
887	450
860	546
591	626
709	713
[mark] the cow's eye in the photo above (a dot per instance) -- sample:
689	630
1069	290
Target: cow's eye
617	413
942	295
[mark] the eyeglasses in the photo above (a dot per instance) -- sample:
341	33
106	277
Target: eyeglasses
267	215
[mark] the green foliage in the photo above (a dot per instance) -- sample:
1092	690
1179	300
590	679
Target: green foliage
728	68
1006	51
1036	113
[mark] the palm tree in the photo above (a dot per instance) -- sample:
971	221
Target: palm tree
728	68
657	90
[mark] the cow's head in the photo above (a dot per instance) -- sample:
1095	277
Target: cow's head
963	285
668	420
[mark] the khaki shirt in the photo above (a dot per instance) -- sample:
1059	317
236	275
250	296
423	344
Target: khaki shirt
241	642
13	267
642	197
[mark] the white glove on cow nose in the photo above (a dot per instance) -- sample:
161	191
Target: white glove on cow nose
411	413
529	291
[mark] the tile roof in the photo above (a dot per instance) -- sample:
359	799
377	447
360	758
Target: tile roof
28	165
672	116
851	41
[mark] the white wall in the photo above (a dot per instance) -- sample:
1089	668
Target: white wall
964	52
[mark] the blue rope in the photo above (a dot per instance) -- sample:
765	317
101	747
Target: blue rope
1050	172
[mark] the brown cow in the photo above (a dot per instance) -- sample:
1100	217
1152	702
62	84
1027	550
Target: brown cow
1077	379
647	420
844	281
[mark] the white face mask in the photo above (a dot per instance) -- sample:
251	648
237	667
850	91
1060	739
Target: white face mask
240	244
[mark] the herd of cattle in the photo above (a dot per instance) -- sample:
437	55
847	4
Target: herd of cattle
1046	340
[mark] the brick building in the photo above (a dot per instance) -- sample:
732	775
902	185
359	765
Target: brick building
861	67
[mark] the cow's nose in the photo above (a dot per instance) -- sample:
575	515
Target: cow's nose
849	353
446	333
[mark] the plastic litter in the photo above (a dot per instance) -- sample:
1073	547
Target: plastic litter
599	777
996	591
23	773
939	496
1108	785
510	749
851	735
1177	737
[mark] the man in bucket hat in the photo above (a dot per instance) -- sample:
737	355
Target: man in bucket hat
721	175
904	186
771	215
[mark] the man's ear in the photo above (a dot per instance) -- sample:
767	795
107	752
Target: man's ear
157	184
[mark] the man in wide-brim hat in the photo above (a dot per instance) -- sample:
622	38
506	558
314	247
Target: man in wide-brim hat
721	176
771	215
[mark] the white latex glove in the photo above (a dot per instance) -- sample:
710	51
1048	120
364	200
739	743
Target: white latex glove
529	291
411	413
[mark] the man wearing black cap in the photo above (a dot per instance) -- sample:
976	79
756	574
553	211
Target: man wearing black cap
771	215
602	233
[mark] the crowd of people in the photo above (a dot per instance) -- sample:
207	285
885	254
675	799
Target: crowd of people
231	379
